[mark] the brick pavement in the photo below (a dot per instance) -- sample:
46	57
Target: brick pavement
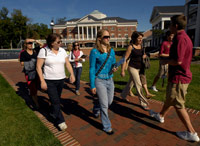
131	124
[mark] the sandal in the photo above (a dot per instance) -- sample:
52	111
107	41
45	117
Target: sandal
144	106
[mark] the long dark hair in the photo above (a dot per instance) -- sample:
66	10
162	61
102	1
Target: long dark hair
52	38
74	43
134	36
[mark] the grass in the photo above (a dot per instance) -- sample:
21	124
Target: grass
192	98
18	124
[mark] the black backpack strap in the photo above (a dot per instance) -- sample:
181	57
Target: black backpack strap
103	64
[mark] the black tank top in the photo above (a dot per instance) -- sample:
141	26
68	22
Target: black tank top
136	58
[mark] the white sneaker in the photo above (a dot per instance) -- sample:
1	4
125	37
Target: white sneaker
156	116
62	126
154	88
188	136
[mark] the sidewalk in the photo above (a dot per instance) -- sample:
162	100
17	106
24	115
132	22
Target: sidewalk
131	124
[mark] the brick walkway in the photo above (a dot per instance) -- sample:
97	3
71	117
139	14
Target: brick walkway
131	124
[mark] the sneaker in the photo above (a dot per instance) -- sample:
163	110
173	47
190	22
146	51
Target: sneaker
62	126
154	88
77	92
156	116
188	136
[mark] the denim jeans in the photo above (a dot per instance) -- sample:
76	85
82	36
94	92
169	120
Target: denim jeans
77	74
54	89
105	92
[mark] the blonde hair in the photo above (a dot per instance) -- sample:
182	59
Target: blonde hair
98	41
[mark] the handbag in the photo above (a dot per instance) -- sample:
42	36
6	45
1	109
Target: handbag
146	61
103	64
32	75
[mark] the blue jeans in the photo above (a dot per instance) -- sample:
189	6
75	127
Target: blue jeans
54	90
105	92
77	75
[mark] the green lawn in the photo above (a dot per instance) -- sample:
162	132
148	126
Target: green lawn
19	126
193	100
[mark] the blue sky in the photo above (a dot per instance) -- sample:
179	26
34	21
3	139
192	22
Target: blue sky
42	11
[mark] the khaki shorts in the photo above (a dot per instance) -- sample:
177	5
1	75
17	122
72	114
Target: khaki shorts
175	95
163	70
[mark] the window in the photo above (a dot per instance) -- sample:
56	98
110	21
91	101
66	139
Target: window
60	31
112	28
112	35
70	30
70	36
119	35
126	35
126	28
119	29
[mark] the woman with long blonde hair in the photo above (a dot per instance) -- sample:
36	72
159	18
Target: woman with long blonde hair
102	59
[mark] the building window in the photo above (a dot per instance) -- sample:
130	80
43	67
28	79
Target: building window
70	30
112	28
126	28
166	24
70	36
126	35
112	35
119	35
105	27
119	29
60	31
132	29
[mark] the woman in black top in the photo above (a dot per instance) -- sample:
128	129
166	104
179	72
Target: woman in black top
136	54
28	60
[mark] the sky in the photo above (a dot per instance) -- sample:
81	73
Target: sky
43	11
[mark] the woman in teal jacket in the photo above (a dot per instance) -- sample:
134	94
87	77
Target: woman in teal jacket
101	81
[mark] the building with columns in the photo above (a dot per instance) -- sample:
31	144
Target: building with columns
192	11
160	20
84	29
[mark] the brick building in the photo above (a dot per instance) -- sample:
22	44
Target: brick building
85	29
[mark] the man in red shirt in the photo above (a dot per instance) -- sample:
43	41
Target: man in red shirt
179	78
164	53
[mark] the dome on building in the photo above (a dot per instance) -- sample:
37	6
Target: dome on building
98	14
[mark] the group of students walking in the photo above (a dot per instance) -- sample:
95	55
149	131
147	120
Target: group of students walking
52	59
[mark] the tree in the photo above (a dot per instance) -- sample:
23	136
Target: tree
61	20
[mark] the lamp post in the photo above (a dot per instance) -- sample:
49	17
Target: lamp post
52	25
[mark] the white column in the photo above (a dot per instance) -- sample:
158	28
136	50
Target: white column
101	27
162	25
78	33
87	32
115	44
95	30
83	32
92	31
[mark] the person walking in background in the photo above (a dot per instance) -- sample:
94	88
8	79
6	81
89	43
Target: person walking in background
164	54
179	77
52	59
102	59
76	58
28	59
136	53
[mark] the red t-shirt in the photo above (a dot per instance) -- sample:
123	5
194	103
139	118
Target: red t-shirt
165	47
181	51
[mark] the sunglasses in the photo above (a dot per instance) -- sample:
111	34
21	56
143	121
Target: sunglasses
29	43
106	37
